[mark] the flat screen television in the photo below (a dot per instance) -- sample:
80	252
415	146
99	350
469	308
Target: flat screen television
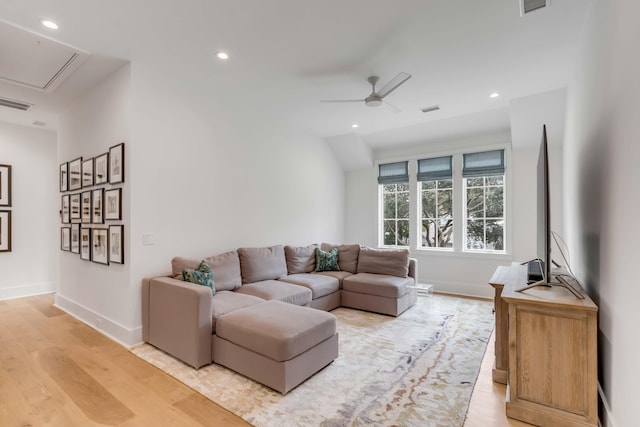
543	228
544	221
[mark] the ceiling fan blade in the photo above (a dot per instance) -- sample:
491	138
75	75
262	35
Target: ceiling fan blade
342	100
392	107
393	84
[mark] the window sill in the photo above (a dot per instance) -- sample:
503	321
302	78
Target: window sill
502	256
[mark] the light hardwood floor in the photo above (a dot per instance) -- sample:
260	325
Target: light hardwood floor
57	371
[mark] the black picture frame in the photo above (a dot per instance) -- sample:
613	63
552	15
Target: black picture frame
5	231
75	174
65	239
116	164
65	209
85	243
101	169
116	244
113	204
64	177
97	206
74	207
5	185
100	245
87	173
85	207
75	238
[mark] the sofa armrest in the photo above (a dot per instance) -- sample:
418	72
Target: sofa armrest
413	269
178	318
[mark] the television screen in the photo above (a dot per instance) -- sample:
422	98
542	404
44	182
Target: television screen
544	223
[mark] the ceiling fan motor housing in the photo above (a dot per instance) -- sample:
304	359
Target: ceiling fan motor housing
373	101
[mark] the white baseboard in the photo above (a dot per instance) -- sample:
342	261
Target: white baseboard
28	290
607	416
117	332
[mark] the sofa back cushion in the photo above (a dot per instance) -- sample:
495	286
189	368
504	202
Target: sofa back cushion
300	259
347	256
225	267
393	262
257	264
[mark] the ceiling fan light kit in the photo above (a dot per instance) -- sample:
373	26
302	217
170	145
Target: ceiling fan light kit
375	99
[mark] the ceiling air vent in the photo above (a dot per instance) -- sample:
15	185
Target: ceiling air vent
4	102
527	6
430	109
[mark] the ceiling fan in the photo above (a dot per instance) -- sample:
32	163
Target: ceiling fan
376	98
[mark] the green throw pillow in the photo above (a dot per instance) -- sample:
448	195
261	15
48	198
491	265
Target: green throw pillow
327	261
200	276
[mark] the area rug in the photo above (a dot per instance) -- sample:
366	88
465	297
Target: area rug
418	369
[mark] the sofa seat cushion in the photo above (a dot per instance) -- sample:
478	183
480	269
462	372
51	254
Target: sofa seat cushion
340	275
277	290
320	285
277	330
225	302
377	284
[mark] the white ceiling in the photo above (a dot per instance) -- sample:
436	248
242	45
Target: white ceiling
287	55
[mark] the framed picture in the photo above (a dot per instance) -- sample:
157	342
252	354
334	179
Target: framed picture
113	204
97	213
74	206
66	219
64	176
65	238
116	164
87	173
5	185
75	238
5	231
116	243
100	245
85	243
85	205
101	167
75	174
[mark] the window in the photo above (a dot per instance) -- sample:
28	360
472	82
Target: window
393	179
454	203
396	214
483	175
436	194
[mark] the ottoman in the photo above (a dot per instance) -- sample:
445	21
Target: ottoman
274	343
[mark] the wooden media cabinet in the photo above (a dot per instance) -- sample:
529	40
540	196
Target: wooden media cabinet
546	351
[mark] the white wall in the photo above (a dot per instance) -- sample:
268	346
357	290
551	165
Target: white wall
96	293
202	176
601	207
30	268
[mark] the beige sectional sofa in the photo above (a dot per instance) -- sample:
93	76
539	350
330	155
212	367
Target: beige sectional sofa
260	321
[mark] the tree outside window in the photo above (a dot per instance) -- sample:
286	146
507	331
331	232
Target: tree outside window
437	213
395	214
485	222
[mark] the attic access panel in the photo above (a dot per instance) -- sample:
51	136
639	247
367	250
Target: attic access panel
34	61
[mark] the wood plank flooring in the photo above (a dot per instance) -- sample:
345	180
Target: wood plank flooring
57	371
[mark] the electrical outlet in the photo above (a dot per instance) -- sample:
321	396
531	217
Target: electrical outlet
148	238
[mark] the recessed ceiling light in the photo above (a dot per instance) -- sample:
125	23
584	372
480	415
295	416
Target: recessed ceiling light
494	95
222	55
355	125
50	24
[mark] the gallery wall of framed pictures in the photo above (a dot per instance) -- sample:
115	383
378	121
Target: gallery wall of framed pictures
91	206
5	208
